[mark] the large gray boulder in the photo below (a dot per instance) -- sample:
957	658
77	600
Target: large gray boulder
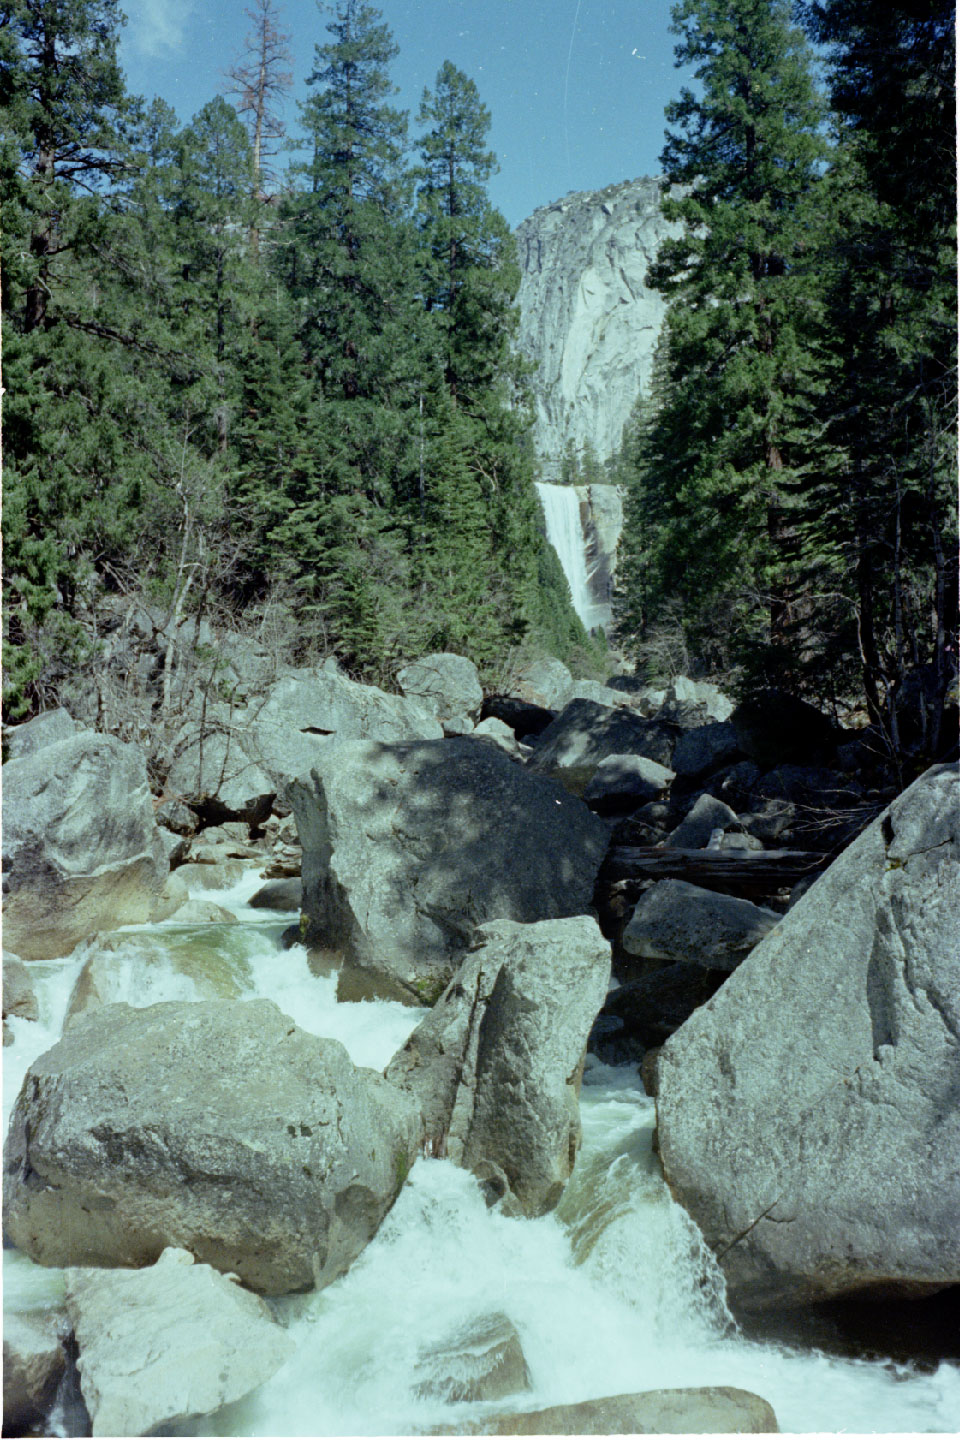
167	1342
677	921
495	1068
218	1127
444	685
408	848
36	734
585	733
808	1115
81	850
623	782
698	825
542	682
247	754
702	1410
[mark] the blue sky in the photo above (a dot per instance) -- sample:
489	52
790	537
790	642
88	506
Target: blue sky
576	88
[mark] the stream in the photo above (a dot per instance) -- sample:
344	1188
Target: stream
614	1292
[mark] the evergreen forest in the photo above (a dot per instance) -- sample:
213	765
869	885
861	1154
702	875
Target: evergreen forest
276	385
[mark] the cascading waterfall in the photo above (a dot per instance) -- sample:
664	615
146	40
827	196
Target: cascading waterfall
612	1293
562	515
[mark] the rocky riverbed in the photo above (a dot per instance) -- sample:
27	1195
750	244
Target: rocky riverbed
403	1121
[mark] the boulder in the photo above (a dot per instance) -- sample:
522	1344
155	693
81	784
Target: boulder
408	848
46	729
593	690
81	850
584	733
34	1361
707	1410
483	1360
444	685
170	1341
500	733
303	712
704	693
699	824
808	1115
705	749
173	895
676	921
18	993
219	1127
542	682
622	782
278	895
214	771
775	728
495	1068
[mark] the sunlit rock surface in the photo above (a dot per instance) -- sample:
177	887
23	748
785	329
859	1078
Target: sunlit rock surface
808	1116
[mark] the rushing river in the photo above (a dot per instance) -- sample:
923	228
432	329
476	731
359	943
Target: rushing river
612	1293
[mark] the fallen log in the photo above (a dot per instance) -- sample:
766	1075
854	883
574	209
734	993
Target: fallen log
746	873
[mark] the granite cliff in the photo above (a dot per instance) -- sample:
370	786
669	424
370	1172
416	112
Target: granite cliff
588	320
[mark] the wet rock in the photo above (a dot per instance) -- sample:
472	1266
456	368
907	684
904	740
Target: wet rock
699	824
676	921
219	1127
807	1115
482	1361
278	895
34	1361
447	686
207	871
495	1068
584	734
708	1410
172	897
167	1342
18	993
197	911
81	851
408	848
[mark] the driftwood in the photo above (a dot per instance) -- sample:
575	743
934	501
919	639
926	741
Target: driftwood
746	873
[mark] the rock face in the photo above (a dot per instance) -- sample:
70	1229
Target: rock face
709	1410
808	1115
408	848
173	1340
219	1127
495	1067
81	851
587	318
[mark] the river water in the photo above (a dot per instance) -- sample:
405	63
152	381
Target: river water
614	1292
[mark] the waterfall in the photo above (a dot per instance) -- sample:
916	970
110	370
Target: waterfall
563	514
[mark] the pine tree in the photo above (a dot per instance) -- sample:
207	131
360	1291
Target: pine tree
743	158
884	503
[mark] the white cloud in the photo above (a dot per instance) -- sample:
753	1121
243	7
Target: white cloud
155	28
